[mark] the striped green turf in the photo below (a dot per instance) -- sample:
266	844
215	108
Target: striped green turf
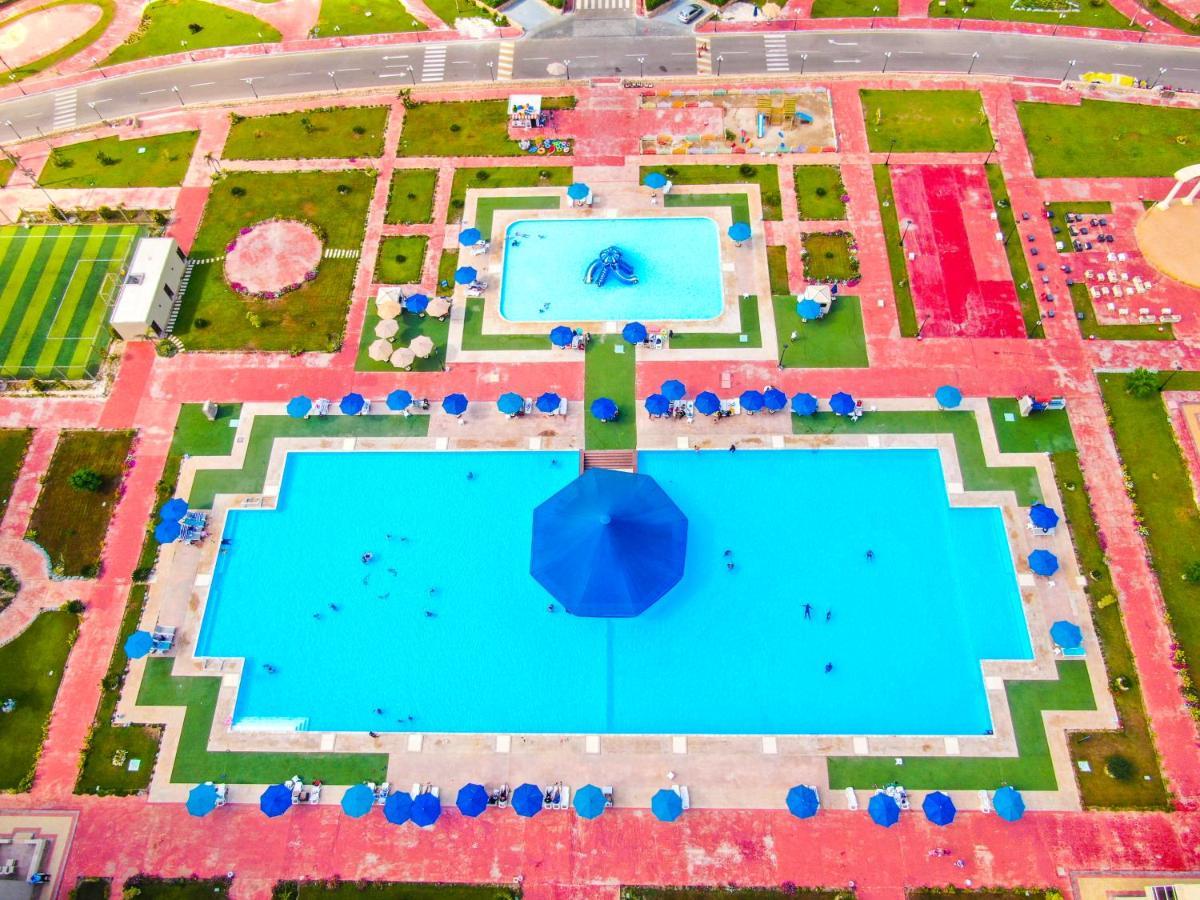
53	318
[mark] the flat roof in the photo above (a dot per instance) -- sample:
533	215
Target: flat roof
150	256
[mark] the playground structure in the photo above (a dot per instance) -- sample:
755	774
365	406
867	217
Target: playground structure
746	121
609	262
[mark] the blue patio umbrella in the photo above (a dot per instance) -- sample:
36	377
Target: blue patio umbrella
166	532
604	409
561	336
465	275
1066	634
173	510
298	407
472	800
589	801
1008	804
657	405
739	231
948	396
938	808
803	802
469	236
455	404
578	191
352	404
666	805
634	333
275	800
416	303
1043	516
549	402
399	400
138	644
426	808
841	403
510	404
608	544
1043	562
774	399
673	390
656	181
808	309
527	800
884	810
804	404
202	799
357	801
751	401
397	808
707	403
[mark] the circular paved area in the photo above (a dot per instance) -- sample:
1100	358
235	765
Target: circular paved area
1167	238
43	32
273	256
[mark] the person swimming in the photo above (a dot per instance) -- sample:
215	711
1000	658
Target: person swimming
368	556
828	667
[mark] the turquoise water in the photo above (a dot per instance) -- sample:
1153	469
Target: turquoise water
677	261
723	652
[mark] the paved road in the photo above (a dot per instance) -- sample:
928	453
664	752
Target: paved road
591	46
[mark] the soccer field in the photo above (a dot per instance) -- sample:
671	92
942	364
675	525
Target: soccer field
57	285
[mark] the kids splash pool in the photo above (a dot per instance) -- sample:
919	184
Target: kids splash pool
445	630
676	260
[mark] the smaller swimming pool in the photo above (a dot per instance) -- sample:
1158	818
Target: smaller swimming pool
677	261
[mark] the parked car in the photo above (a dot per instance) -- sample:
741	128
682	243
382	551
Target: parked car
690	13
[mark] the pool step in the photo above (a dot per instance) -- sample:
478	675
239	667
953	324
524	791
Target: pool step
625	460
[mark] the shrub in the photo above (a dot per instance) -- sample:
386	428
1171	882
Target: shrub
1191	572
1118	767
87	480
400	258
75	607
359	130
820	192
1141	383
237	191
454	126
307	124
746	170
200	323
60	161
195	27
343	189
104	159
483	175
253	319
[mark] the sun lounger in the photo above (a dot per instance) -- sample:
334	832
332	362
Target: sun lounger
221	794
366	408
985	802
564	800
474	292
9	868
607	791
527	407
733	407
381	793
682	791
851	799
320	407
481	248
562	408
499	797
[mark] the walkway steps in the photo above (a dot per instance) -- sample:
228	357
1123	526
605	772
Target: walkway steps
622	460
182	289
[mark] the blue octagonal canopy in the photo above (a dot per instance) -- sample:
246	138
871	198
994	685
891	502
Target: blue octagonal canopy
609	544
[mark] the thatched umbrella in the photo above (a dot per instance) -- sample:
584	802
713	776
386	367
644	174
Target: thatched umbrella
402	358
388	309
438	307
380	350
422	346
387	328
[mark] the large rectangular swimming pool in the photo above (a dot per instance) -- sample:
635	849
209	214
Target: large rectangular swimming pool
445	624
677	261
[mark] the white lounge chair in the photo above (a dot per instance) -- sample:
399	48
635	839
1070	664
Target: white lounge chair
682	792
985	802
607	791
851	799
562	407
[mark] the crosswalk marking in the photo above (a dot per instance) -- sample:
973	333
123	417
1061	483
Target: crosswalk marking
64	109
504	62
703	57
434	66
604	4
338	253
777	52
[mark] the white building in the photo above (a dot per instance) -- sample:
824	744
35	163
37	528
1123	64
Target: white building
149	289
821	294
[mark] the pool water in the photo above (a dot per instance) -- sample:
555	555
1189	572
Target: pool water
725	651
677	261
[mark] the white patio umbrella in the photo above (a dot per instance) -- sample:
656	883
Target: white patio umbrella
422	346
380	350
402	358
387	328
388	309
438	307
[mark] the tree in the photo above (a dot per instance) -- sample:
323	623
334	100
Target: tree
1141	383
87	480
1191	572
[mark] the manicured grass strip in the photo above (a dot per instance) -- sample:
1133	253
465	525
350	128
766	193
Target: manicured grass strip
385	890
838	9
147	887
1169	15
348	17
1102	138
829	257
721	893
1044	432
819	192
410	196
835	341
906	312
267	429
1143	787
485	208
1091	327
110	162
608	373
108	9
410	326
474	337
450	11
926	121
1031	770
458	128
167	28
962	424
195	763
32	664
91	889
14	444
777	269
1017	264
1100	14
739	204
723	340
97	774
328	133
6	170
1084	207
400	259
71	524
502	177
765	176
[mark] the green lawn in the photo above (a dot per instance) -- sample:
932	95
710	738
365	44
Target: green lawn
1102	138
458	128
328	133
213	317
829	257
838	9
1090	14
109	162
765	176
400	259
449	11
31	667
146	887
608	373
1091	327
749	336
925	121
168	27
1044	432
485	207
14	442
835	341
108	9
819	191
385	890
777	269
695	893
474	337
502	177
739	204
348	17
71	524
1017	264
1083	207
266	429
410	196
906	312
91	889
6	170
410	326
